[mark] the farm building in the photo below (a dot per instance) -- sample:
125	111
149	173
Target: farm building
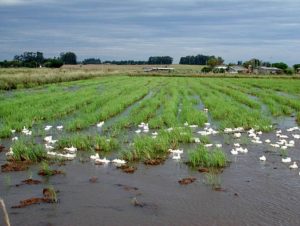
268	70
298	70
237	69
169	69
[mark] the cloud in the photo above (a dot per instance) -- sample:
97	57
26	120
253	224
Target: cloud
234	29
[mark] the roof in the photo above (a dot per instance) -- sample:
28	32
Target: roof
221	67
270	68
238	68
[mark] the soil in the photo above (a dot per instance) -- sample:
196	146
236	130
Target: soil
29	182
14	166
93	179
127	168
203	170
50	173
31	201
187	180
154	162
2	148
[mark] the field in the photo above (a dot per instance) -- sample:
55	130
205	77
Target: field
212	132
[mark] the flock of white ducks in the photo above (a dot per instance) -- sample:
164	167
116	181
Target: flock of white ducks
282	143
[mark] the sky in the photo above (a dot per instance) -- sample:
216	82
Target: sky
136	29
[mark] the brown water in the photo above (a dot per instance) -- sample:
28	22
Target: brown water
256	193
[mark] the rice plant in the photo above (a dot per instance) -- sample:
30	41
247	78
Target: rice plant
28	150
201	157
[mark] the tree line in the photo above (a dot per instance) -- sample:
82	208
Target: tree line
201	60
37	59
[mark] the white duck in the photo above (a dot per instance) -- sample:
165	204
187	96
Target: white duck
176	156
294	166
104	160
94	157
60	127
100	124
286	160
268	141
119	161
237	135
48	127
71	150
49	147
234	152
262	158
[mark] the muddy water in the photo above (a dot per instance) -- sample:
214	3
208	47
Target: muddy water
256	193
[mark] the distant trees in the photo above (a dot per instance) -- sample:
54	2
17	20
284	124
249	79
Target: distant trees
296	66
160	60
91	61
281	65
253	63
53	63
30	59
126	62
201	60
68	58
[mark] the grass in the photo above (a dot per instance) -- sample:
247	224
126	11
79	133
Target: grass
201	157
87	143
28	150
145	147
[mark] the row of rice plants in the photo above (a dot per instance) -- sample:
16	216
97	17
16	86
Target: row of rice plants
31	109
145	147
189	113
278	105
228	112
109	106
236	95
264	96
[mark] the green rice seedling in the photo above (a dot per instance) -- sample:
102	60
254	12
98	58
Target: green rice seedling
105	145
283	153
218	158
27	150
213	179
7	180
82	142
205	140
45	168
5	132
198	157
51	194
204	158
244	140
227	139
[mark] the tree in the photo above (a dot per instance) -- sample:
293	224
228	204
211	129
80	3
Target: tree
281	65
53	63
30	59
68	58
160	60
296	66
200	60
253	63
91	61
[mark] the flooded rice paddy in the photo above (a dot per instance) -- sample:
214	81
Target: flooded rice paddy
246	192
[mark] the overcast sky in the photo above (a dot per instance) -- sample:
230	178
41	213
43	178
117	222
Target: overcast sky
137	29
